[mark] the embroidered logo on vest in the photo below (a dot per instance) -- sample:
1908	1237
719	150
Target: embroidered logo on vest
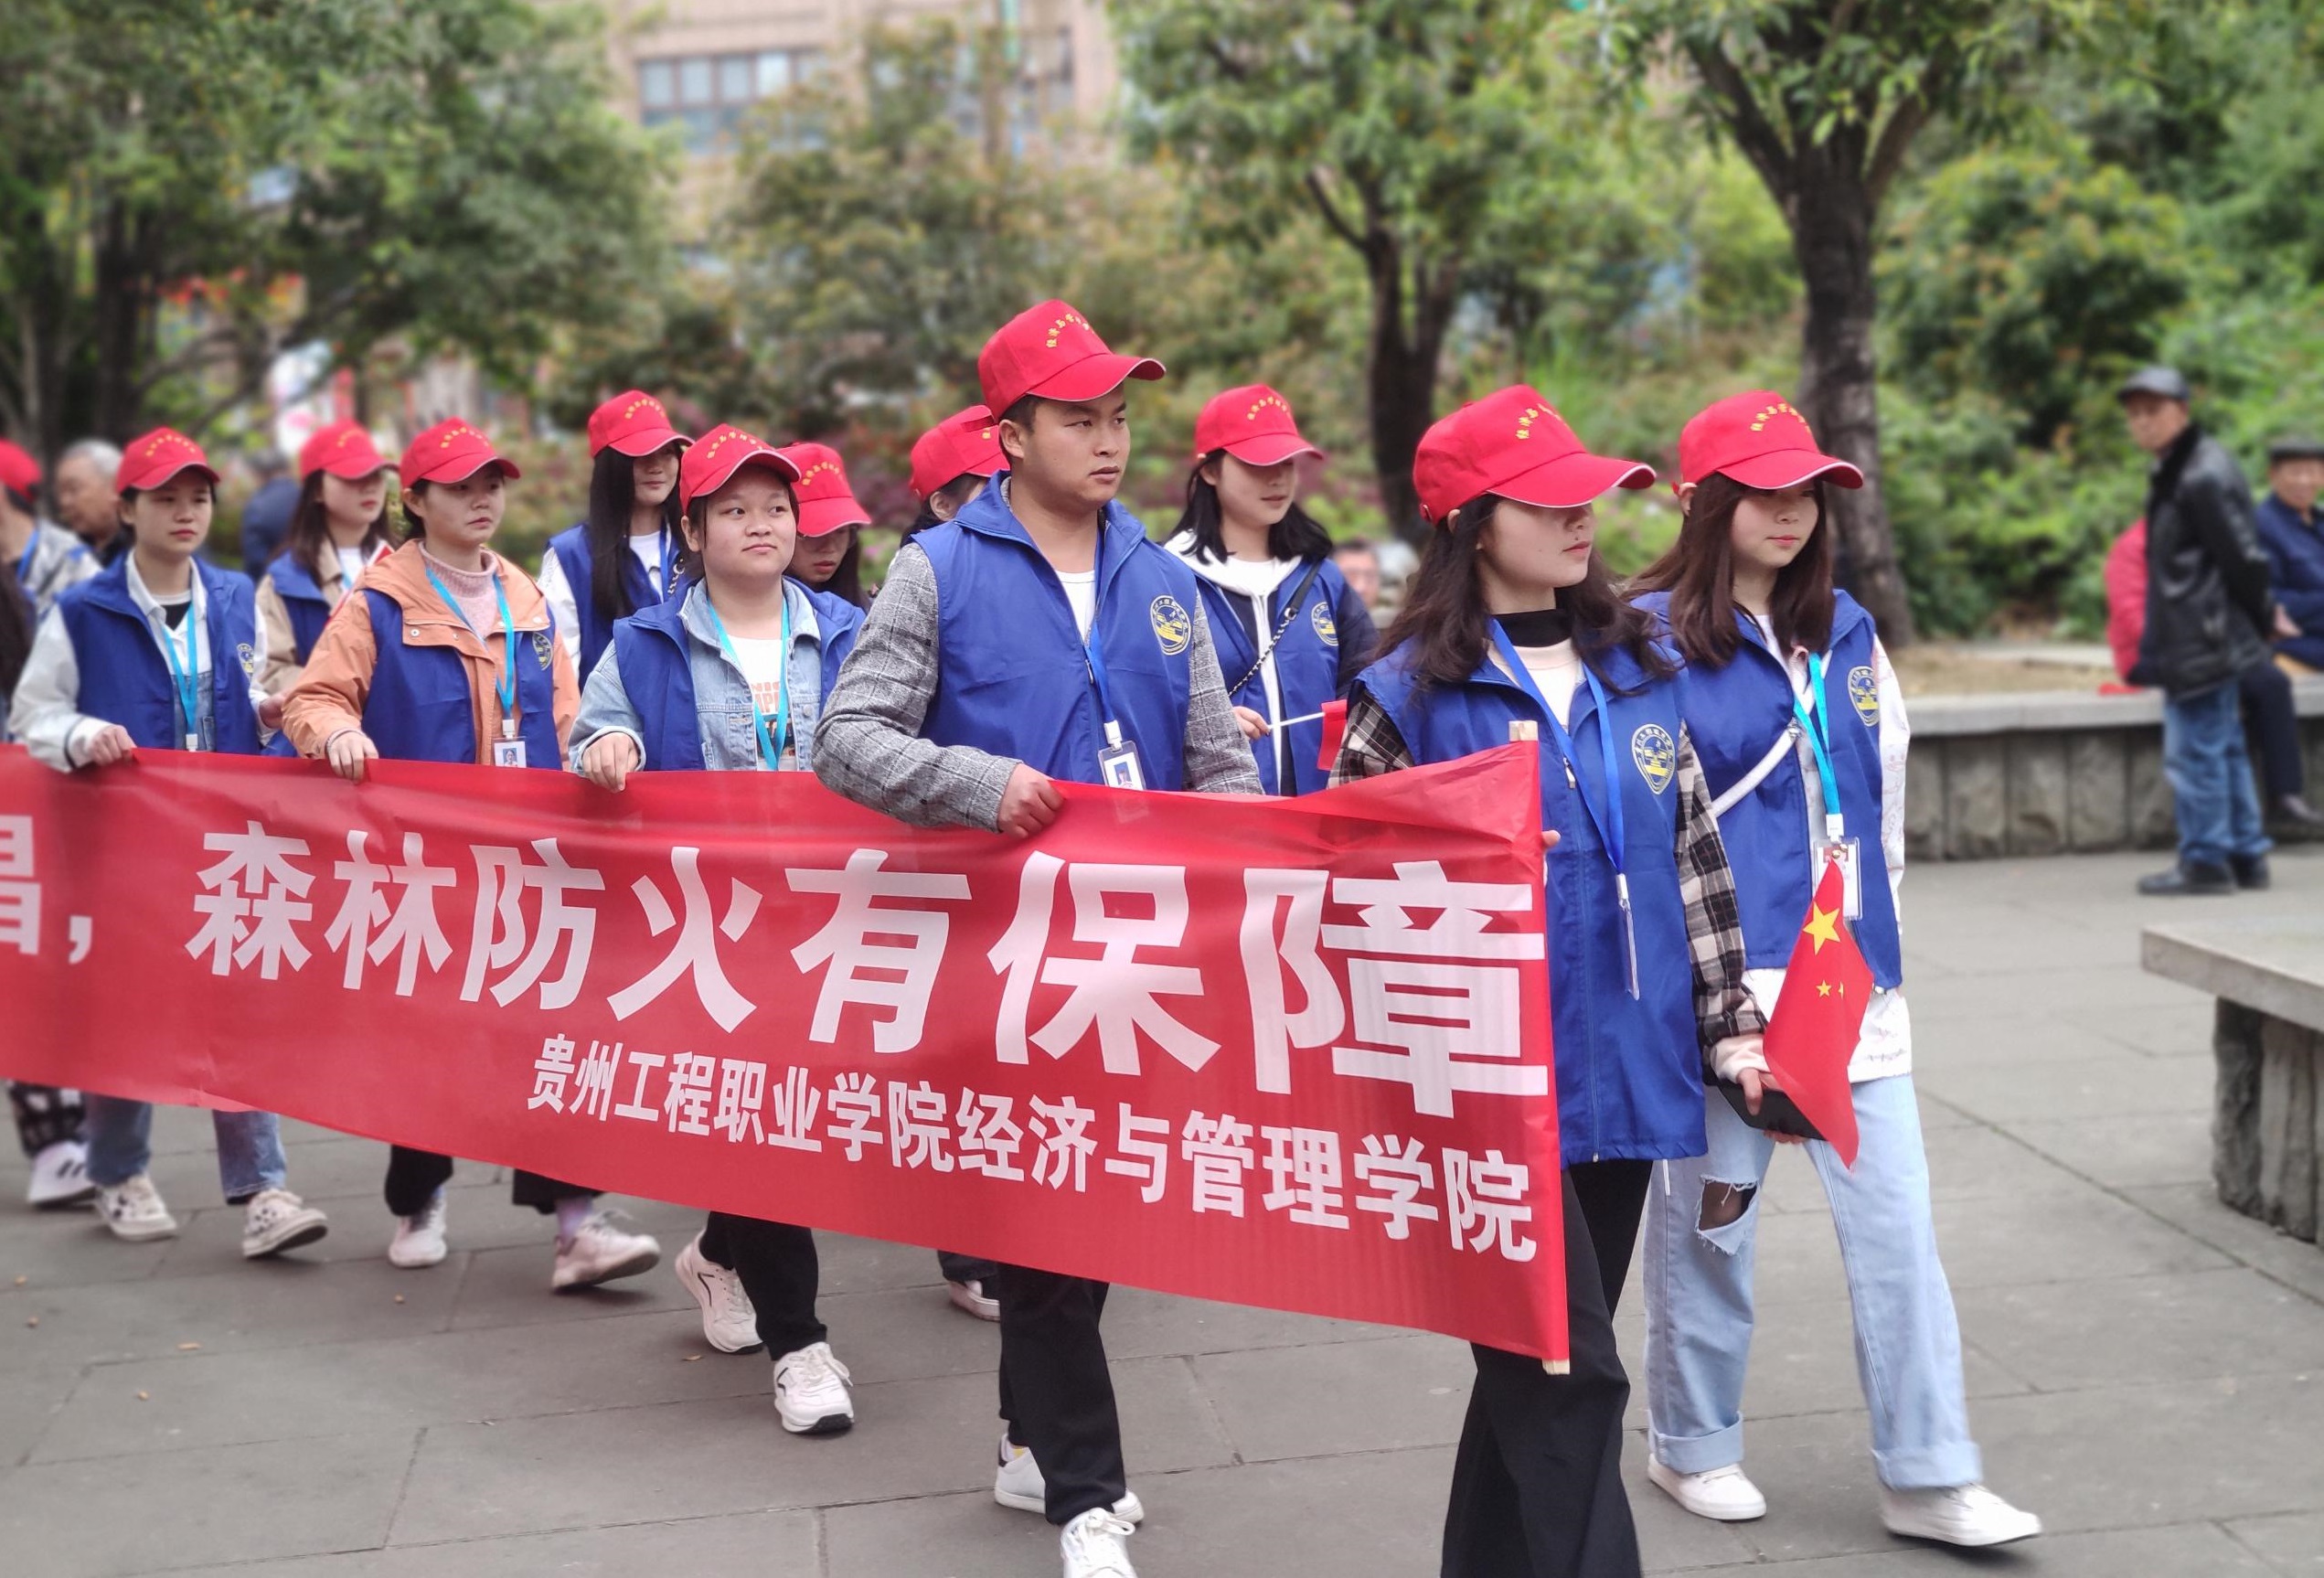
1657	755
248	655
544	646
1173	626
1325	631
1865	692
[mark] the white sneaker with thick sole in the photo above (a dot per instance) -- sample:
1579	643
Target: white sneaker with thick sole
278	1219
1096	1545
1966	1515
1722	1495
135	1210
970	1298
729	1323
61	1178
602	1248
814	1392
419	1240
1018	1484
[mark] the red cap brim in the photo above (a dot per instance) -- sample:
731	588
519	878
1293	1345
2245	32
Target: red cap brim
1783	468
638	444
351	468
1097	376
1571	481
145	483
1272	449
451	470
822	516
768	456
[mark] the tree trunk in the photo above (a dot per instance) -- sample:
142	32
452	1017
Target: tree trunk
1401	374
122	306
1831	225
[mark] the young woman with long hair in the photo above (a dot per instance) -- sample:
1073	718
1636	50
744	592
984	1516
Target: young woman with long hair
623	557
831	522
1291	632
1513	619
1792	702
338	527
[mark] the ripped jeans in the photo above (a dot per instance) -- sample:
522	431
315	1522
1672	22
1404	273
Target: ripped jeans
1699	1294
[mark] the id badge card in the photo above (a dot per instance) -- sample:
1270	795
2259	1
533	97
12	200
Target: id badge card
1844	853
508	750
1118	765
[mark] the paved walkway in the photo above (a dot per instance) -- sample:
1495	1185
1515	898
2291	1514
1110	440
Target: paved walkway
2147	1369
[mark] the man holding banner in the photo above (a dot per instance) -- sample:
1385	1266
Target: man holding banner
1038	635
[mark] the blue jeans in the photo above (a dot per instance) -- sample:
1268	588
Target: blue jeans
2210	777
1699	1296
250	1146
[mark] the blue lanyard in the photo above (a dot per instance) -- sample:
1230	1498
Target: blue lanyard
769	742
1092	651
1815	722
1607	822
506	683
185	675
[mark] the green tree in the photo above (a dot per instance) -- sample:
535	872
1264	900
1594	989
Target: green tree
1826	99
188	187
1420	133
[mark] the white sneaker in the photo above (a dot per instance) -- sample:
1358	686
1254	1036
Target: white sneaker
602	1250
278	1219
1095	1545
1723	1494
729	1324
970	1298
813	1391
61	1177
419	1240
135	1210
1959	1515
1018	1483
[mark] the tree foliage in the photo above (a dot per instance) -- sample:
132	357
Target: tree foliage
188	187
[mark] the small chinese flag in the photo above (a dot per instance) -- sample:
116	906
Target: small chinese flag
1819	1015
1335	730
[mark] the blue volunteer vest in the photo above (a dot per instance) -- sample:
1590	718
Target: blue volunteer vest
302	600
655	655
125	679
420	709
1733	715
1306	666
596	633
1012	677
1629	1071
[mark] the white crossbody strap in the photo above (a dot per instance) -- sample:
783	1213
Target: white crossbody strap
1786	742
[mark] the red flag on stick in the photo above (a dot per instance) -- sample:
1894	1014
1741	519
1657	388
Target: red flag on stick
1819	1015
1335	730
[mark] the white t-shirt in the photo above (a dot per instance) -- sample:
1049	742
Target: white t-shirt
1080	590
761	659
351	564
1557	673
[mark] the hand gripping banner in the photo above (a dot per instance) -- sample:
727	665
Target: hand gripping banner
1283	1052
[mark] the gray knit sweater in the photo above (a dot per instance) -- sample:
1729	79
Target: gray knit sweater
868	745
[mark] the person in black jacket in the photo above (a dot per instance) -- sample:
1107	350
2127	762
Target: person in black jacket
2207	606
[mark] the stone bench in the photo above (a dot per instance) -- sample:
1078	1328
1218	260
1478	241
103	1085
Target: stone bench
2267	1124
2050	773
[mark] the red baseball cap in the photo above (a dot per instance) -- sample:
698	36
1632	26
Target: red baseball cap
967	441
1051	351
1251	423
1760	441
451	451
343	449
1513	442
154	459
633	422
826	502
718	453
20	473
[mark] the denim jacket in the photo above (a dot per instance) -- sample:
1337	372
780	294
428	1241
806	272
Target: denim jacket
723	706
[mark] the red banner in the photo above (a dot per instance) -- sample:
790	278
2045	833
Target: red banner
1283	1052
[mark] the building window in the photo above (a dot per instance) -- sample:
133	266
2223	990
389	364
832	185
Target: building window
709	94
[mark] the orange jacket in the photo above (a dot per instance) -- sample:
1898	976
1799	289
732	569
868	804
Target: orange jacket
329	697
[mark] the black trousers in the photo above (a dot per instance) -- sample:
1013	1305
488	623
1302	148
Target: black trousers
2269	714
967	1268
45	1115
1537	1485
780	1271
413	1177
1055	1389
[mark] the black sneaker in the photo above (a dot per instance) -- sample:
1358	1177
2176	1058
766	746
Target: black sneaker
2251	870
2188	878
